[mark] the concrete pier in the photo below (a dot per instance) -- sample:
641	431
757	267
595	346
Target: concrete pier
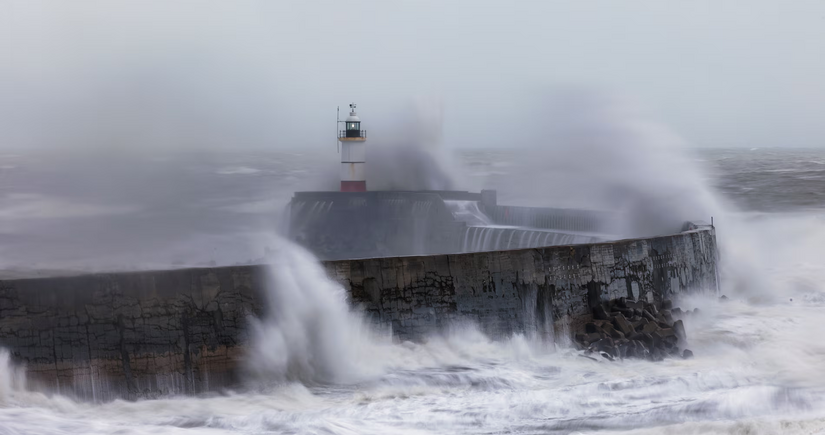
145	334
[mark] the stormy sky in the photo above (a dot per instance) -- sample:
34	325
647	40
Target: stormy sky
269	74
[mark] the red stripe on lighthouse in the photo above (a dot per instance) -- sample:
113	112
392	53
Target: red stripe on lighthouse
353	186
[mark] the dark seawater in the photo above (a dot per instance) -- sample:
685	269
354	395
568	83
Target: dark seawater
759	358
760	180
769	180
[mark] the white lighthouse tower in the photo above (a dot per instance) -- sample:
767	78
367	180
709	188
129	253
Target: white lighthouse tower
353	154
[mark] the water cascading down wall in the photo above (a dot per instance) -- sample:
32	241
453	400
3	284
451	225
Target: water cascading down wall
385	224
145	334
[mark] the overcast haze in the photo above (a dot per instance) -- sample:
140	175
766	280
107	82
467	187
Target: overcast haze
244	74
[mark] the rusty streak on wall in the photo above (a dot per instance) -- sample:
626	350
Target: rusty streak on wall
144	334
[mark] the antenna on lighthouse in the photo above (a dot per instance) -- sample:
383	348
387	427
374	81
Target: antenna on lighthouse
353	153
337	123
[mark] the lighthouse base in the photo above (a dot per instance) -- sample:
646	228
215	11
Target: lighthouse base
353	186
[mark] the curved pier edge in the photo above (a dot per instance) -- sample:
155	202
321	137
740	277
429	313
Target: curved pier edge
147	334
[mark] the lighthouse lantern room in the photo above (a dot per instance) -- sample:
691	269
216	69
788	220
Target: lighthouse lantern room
353	154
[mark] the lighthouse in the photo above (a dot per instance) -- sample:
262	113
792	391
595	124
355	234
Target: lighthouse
353	154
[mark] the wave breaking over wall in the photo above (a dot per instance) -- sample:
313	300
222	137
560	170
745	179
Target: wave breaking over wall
12	378
308	332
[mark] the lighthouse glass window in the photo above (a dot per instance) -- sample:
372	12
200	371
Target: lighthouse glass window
352	126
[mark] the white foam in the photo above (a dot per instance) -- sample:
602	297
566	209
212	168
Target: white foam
468	211
12	378
309	333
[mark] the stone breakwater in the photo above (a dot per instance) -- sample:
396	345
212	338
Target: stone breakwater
145	334
623	328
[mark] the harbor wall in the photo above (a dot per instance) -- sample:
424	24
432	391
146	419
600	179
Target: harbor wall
145	334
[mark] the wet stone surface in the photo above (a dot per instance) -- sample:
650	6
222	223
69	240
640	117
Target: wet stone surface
649	336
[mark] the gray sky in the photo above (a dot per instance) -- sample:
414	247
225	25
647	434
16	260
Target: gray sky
238	74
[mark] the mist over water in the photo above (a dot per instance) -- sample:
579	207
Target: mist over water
600	151
140	209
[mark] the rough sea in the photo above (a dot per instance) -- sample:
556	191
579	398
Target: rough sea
759	363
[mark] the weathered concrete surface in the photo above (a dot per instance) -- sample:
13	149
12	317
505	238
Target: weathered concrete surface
130	334
183	331
521	290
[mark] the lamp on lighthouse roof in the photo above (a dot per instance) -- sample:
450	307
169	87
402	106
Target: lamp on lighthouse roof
353	154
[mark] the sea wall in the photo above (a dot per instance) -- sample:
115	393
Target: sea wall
545	290
145	334
139	334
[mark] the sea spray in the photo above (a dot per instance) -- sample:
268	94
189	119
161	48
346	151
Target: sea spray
598	151
308	333
12	378
408	153
405	150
